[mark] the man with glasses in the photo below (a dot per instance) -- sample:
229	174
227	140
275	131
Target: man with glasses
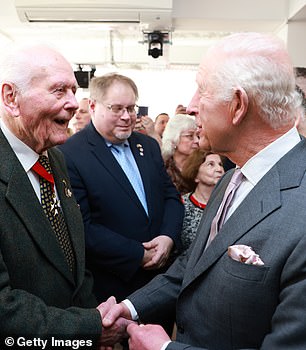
131	210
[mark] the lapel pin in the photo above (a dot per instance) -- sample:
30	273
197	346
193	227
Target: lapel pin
67	190
140	148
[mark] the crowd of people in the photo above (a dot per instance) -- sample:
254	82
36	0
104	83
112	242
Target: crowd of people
183	232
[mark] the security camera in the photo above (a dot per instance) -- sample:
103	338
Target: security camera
156	41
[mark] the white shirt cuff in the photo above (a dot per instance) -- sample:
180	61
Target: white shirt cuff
165	345
133	311
135	317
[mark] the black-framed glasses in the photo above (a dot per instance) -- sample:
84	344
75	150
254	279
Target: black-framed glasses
119	109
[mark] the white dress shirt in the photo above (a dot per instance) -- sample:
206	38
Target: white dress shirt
257	166
26	156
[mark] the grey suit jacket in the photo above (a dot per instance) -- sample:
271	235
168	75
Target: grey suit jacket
224	304
38	294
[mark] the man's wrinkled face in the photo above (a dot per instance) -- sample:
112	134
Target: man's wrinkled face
46	107
211	114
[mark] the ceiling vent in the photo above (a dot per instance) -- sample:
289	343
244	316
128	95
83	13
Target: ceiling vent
156	12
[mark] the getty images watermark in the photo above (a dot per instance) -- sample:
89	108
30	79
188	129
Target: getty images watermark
53	342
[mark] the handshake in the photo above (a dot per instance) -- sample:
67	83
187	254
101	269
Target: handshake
117	324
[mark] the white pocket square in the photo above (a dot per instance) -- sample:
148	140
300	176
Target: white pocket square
244	254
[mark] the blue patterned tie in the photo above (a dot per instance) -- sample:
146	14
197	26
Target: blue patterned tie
127	162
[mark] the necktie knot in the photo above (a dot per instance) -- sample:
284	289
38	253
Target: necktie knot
43	168
237	177
44	161
119	148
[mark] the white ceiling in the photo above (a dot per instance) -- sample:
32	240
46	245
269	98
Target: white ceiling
192	26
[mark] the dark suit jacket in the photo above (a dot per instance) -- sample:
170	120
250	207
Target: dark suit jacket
38	294
115	222
223	304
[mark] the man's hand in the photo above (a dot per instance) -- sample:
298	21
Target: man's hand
104	307
161	246
147	256
113	328
146	337
115	333
114	313
145	125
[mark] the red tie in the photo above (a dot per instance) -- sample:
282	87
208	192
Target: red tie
41	171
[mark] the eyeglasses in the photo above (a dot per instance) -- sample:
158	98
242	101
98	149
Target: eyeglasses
119	109
190	137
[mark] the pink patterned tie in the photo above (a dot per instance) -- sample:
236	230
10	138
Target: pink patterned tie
225	204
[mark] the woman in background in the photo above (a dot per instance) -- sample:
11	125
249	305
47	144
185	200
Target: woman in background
201	171
179	141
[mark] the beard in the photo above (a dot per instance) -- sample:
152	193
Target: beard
123	135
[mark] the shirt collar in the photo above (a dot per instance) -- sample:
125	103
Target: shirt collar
257	166
24	153
110	144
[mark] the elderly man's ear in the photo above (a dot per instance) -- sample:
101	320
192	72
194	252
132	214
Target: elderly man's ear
239	106
10	99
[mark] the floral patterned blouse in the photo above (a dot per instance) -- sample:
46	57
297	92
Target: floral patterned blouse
193	214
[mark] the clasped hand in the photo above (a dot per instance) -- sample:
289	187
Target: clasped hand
117	324
113	327
157	252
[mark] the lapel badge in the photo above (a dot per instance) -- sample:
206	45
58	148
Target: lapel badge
67	190
140	149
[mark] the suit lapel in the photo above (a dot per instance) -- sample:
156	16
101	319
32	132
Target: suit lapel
208	215
252	210
21	196
23	199
259	203
106	158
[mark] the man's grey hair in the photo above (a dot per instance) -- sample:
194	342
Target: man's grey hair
259	64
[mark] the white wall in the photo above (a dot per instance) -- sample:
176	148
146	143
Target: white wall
160	90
